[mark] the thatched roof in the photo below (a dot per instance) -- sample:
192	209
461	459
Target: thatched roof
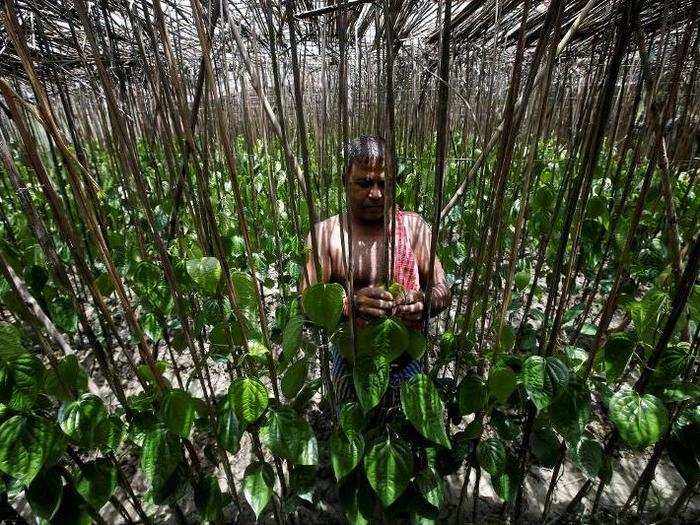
53	30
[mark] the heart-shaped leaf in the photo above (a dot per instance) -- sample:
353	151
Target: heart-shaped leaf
160	457
472	394
386	337
28	443
616	354
588	456
389	467
423	407
206	273
346	452
641	420
285	433
178	411
491	455
371	378
208	499
323	304
502	382
258	481
85	420
45	492
294	378
431	487
96	481
248	398
544	378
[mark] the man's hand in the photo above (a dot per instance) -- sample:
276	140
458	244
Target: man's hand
411	308
373	301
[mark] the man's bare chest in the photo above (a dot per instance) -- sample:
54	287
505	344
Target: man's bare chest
367	255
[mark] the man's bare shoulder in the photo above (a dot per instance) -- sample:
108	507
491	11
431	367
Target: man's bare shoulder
414	221
327	225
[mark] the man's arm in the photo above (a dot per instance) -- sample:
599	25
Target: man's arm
421	235
324	257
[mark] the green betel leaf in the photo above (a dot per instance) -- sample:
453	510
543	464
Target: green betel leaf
206	273
291	336
502	382
73	510
27	374
230	430
431	487
389	467
69	376
588	456
10	343
491	455
309	452
616	354
248	397
85	420
522	279
545	446
27	443
160	457
386	337
352	419
258	481
285	433
323	304
346	452
472	395
640	420
245	289
544	378
45	492
371	378
423	407
208	499
96	482
294	378
416	344
570	411
178	411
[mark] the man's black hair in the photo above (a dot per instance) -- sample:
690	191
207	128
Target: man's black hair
367	151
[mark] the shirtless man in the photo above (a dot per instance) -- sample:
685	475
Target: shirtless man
364	186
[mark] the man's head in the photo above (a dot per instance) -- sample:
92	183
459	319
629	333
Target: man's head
364	177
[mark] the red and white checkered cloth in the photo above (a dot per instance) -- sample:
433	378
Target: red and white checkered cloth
405	265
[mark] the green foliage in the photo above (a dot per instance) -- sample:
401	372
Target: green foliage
389	467
287	435
641	420
85	421
96	481
28	443
371	379
206	274
543	379
258	483
346	452
491	455
248	398
323	304
178	411
45	493
423	407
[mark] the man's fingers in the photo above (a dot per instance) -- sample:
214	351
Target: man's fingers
371	312
377	293
410	308
370	302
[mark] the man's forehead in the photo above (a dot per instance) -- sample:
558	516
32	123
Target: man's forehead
362	171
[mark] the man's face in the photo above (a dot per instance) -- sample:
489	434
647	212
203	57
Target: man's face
366	192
